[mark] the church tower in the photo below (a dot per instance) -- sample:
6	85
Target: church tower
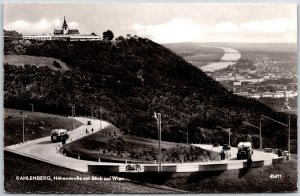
65	27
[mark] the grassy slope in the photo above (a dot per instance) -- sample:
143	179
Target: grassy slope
37	125
15	165
21	60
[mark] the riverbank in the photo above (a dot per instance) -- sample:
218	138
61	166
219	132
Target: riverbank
230	57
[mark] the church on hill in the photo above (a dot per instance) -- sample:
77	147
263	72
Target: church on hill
65	30
63	34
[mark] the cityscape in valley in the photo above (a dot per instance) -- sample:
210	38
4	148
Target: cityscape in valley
267	72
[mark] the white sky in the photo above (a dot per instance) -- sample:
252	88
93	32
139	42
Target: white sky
163	23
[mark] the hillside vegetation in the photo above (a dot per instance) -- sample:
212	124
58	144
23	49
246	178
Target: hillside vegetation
36	125
111	144
129	79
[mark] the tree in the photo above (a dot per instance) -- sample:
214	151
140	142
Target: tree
108	35
94	34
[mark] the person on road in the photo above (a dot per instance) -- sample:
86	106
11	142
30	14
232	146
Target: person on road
222	155
86	131
63	140
279	153
92	130
249	158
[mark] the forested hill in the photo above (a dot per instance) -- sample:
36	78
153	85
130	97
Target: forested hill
130	79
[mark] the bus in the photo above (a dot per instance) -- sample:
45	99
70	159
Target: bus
58	135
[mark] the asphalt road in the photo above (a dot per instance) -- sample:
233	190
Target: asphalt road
43	149
232	161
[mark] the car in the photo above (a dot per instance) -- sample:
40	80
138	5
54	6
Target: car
226	147
58	135
89	122
216	145
244	150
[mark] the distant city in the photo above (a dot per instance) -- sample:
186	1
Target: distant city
266	72
259	75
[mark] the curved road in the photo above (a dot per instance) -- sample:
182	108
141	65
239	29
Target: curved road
233	163
43	149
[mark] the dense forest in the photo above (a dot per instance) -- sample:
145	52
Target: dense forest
130	79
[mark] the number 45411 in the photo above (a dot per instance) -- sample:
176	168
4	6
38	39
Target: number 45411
275	176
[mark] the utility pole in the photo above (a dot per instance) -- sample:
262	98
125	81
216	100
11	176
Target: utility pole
160	157
187	135
32	107
73	113
100	120
228	129
23	117
260	138
158	118
289	130
289	137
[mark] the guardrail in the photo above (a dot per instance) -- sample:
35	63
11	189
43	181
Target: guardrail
214	167
268	150
136	168
277	160
103	168
259	163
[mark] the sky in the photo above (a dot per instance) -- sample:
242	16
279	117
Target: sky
162	22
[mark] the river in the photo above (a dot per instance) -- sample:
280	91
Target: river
230	57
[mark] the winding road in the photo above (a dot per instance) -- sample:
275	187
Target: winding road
44	150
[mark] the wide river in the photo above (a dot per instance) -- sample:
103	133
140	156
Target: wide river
230	57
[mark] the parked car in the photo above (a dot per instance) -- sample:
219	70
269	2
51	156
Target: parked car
89	122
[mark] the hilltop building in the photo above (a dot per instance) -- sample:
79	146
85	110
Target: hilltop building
63	34
65	30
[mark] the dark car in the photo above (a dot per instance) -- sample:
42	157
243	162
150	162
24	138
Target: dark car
89	122
226	147
216	145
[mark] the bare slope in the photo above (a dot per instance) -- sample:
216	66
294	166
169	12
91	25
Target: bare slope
21	60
